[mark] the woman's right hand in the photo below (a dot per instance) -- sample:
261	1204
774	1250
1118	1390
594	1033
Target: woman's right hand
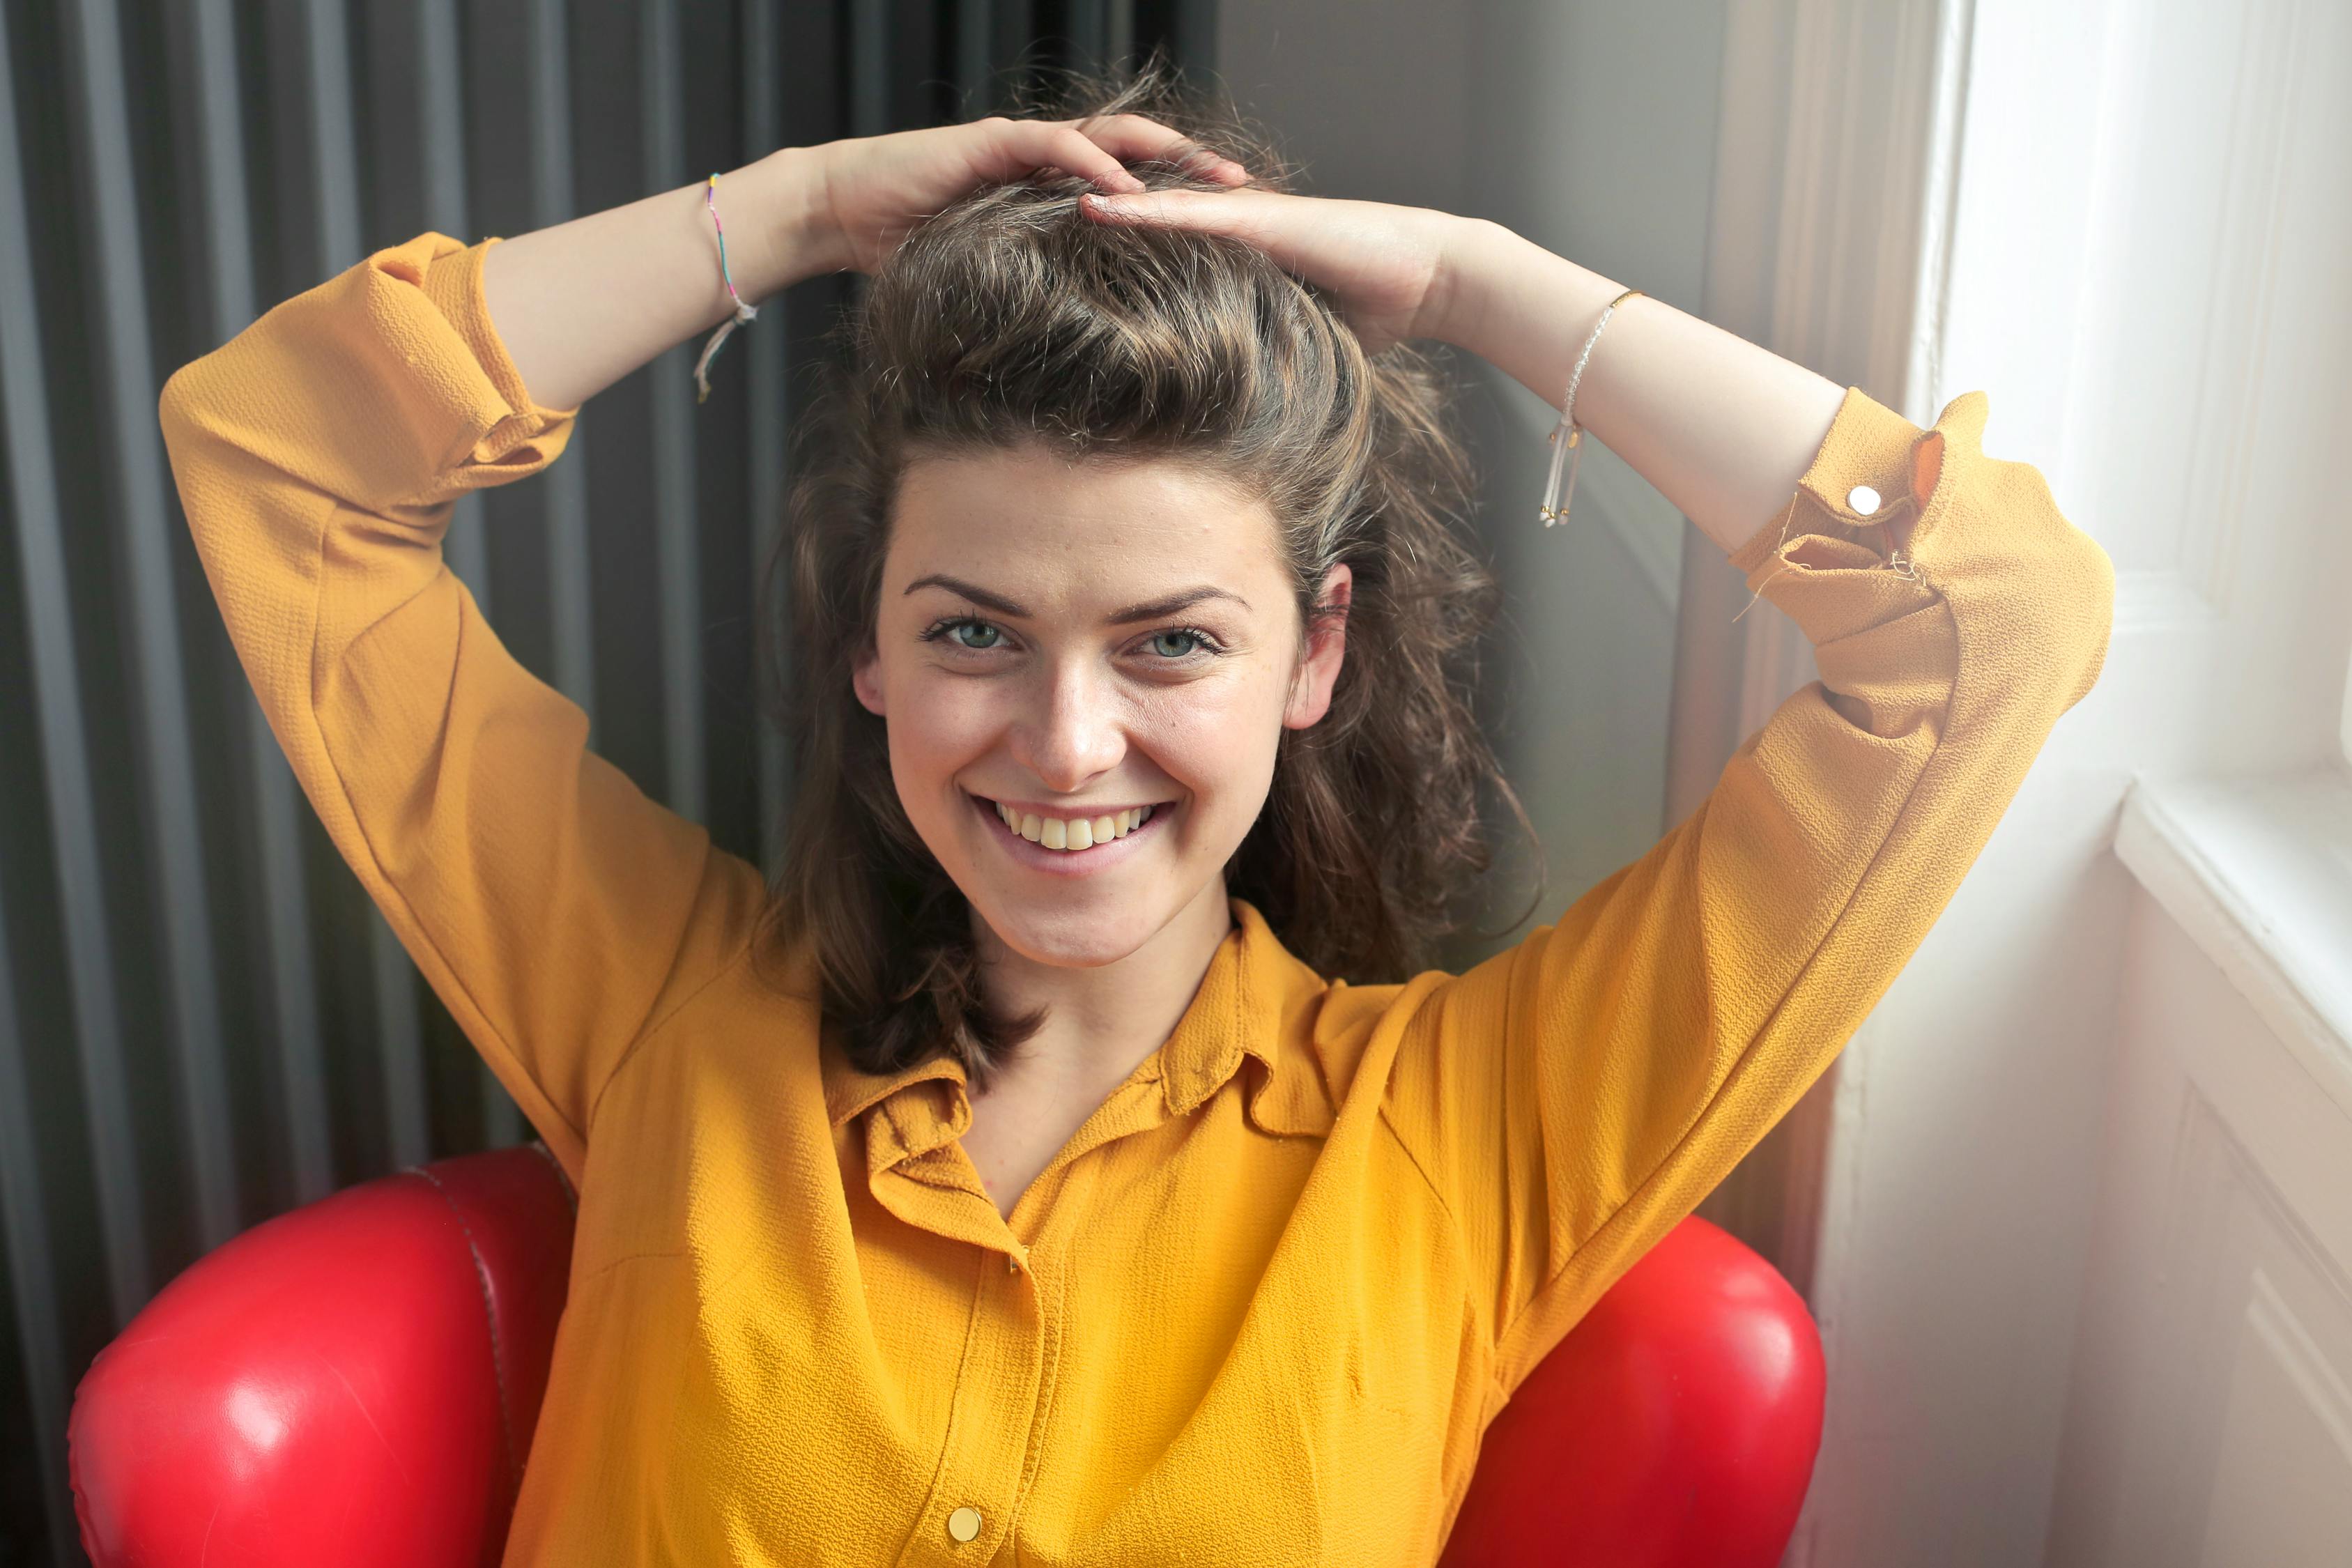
581	304
875	188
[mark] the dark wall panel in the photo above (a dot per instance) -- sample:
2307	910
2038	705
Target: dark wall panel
203	1019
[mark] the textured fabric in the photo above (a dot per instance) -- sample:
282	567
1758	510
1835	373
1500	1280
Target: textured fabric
1264	1305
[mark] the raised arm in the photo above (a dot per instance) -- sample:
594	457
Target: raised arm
1721	427
1574	1096
547	901
551	905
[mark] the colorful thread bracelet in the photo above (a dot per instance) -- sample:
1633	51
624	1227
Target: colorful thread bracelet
743	312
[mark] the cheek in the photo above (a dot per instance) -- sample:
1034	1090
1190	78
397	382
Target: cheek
1216	738
939	724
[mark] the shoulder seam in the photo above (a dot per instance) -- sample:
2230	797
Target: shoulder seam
1421	1169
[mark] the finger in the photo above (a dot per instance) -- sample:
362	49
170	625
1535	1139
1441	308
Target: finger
1262	218
1136	137
1015	147
1254	216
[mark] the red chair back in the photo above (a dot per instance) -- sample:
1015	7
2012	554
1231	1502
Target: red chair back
356	1383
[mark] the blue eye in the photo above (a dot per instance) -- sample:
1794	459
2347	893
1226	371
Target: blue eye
974	635
1177	644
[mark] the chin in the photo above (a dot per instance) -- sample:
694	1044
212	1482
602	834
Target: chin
1071	934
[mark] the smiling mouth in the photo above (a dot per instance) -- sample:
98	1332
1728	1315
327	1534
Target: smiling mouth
1070	835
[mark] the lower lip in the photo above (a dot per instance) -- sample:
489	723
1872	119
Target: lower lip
1067	862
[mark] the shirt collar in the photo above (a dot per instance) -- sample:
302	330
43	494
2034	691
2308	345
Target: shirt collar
849	1090
1255	997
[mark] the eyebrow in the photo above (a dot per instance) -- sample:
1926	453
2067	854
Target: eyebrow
1151	610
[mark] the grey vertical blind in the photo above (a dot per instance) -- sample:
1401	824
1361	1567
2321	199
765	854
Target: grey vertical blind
203	1019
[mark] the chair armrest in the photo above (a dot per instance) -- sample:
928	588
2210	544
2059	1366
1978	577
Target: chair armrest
352	1382
1674	1427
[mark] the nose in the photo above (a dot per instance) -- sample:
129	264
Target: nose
1072	732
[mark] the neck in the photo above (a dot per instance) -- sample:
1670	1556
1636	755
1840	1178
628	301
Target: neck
1101	1022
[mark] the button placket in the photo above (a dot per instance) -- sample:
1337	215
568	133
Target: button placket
997	1400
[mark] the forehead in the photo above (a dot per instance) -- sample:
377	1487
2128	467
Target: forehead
1032	519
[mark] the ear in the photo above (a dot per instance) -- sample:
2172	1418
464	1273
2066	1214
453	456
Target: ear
1327	648
865	679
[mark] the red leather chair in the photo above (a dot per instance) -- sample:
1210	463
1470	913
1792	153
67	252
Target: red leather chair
356	1383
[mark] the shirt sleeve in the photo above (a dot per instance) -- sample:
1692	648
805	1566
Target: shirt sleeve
1573	1097
549	903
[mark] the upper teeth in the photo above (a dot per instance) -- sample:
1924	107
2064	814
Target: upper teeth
1073	832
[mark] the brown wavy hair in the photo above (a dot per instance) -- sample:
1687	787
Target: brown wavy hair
1011	319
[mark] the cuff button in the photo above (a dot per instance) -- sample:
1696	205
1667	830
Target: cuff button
1862	499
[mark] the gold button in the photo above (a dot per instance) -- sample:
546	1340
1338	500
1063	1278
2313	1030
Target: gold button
964	1523
1863	498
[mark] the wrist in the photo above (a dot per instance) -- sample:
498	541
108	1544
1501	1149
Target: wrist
787	230
1473	254
1501	289
1525	309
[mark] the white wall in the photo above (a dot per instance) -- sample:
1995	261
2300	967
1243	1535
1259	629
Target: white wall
2123	220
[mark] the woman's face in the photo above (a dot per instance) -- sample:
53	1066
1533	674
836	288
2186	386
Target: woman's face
1099	643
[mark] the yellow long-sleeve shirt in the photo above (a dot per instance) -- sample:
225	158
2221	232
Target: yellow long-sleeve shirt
1264	1305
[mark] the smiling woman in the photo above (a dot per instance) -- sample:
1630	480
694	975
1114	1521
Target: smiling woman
1099	518
1082	694
1063	1161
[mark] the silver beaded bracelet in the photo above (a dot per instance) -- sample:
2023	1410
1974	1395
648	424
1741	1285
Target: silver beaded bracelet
1547	512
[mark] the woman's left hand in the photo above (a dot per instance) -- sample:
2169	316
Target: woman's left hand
872	189
1388	267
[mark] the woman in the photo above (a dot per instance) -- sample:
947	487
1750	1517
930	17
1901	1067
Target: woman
1023	1178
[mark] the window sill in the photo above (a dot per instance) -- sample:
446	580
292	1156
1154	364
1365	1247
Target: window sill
2258	872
